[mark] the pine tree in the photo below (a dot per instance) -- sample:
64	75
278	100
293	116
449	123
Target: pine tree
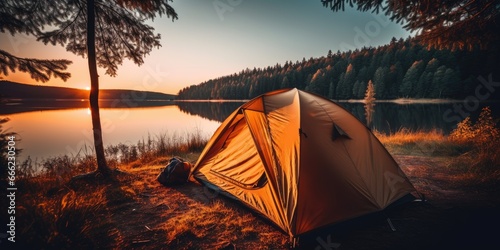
362	89
451	83
423	87
369	102
355	90
13	17
437	82
410	80
380	79
345	86
395	79
285	83
318	83
441	23
339	90
370	93
331	90
105	31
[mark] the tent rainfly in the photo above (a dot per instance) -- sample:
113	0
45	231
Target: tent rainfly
302	161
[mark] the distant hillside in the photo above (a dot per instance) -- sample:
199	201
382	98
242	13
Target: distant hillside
400	69
13	90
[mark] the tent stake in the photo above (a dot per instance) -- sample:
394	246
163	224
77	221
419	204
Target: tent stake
390	224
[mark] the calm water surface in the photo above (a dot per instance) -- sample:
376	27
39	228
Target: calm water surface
46	132
49	133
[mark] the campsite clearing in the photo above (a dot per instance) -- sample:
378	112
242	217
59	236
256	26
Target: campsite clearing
140	213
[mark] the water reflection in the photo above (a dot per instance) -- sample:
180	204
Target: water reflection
30	105
384	117
214	111
68	131
391	117
51	129
369	109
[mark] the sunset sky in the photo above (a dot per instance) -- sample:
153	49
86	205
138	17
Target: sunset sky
216	38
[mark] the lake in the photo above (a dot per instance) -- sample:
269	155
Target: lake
48	129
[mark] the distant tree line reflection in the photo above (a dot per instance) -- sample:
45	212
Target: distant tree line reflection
385	117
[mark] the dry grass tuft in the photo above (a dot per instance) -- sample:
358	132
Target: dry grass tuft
216	217
424	143
472	148
135	212
60	217
405	136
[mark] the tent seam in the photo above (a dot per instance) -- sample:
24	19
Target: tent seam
350	158
273	151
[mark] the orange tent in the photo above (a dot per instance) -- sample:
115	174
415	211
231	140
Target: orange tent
300	160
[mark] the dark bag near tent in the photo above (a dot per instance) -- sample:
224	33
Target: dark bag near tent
175	173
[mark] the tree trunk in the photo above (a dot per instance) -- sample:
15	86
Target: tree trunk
102	167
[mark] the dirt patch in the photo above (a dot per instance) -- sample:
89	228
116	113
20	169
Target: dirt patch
446	187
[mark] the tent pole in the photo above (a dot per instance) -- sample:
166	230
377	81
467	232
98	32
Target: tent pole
294	242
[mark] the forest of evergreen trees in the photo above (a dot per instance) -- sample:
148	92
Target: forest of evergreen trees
400	69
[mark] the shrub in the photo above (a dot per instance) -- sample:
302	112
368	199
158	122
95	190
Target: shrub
483	134
483	138
463	133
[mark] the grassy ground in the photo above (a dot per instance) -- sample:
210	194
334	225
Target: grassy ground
137	212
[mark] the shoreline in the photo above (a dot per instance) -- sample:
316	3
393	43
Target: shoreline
397	100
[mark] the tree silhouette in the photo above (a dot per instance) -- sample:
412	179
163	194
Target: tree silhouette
105	31
38	69
388	66
453	24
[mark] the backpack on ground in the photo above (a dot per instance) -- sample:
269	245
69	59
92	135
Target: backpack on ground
175	173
